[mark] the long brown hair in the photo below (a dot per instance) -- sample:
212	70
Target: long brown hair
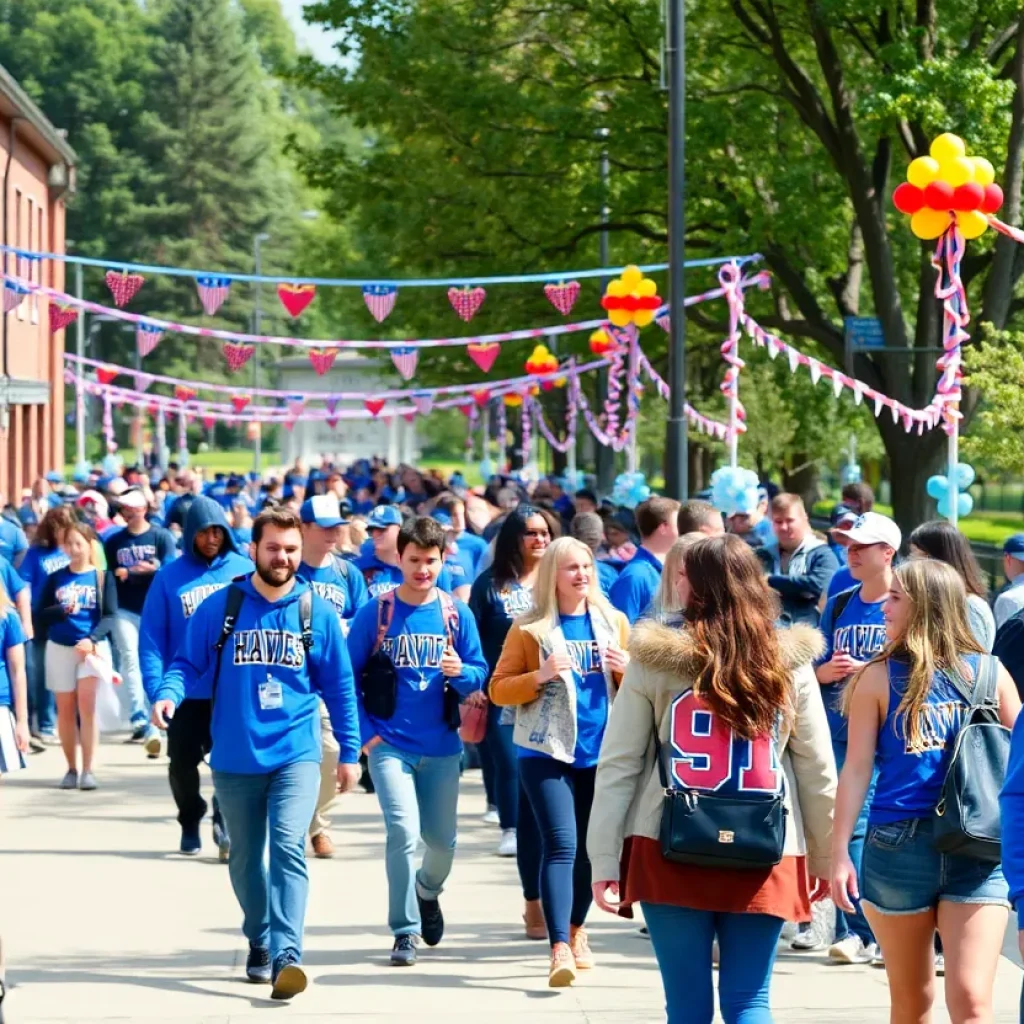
52	526
731	613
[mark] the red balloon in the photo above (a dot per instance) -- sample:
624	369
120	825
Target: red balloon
968	197
939	195
993	198
907	198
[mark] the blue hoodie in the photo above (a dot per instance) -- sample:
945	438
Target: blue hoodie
179	587
1011	808
267	710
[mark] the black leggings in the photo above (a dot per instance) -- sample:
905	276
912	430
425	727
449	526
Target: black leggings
188	742
561	796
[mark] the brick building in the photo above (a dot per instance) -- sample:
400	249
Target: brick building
38	168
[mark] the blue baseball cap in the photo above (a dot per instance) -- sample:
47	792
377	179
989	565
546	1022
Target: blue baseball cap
384	516
53	477
442	519
322	509
1015	546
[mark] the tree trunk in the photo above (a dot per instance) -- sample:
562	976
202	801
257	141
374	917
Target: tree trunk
912	460
804	481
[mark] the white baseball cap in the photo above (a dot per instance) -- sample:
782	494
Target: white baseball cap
873	528
133	498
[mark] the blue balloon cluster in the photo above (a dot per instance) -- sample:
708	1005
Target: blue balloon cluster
851	473
630	489
939	488
486	469
734	490
112	465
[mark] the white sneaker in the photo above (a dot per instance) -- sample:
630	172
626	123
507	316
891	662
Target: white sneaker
850	950
491	816
940	964
507	843
154	745
807	941
878	960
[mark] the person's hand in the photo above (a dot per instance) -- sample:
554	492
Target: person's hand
477	699
554	665
820	889
121	573
370	744
839	666
163	712
451	663
606	896
348	777
21	736
144	567
616	658
84	648
844	883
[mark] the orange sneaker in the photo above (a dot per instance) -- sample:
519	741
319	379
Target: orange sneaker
562	972
533	918
580	945
323	848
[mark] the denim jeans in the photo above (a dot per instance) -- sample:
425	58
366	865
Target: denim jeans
126	639
682	940
501	770
40	699
856	922
561	796
419	797
277	805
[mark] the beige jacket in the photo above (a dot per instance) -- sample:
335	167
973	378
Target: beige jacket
628	795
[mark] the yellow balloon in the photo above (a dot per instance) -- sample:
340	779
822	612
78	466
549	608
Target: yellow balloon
972	224
984	172
947	147
928	224
631	278
922	171
647	288
620	317
643	317
617	289
957	171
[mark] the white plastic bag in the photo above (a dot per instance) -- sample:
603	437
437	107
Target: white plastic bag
108	707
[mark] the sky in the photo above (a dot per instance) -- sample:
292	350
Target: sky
310	37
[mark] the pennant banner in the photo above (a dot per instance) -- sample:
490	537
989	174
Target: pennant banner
380	300
484	355
322	359
237	355
466	301
61	317
123	286
213	292
14	295
147	337
296	297
563	295
405	360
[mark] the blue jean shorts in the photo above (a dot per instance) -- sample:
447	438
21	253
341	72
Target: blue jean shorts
903	873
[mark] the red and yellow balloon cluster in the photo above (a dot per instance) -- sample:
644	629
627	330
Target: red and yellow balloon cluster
541	361
946	185
631	299
601	342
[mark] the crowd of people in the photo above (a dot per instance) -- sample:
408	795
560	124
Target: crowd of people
723	721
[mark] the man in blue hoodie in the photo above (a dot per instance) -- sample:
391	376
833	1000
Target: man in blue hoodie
416	652
265	650
209	561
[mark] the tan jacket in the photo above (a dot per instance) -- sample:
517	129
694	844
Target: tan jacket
628	794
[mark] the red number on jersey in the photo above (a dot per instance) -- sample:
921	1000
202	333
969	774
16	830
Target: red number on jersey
702	751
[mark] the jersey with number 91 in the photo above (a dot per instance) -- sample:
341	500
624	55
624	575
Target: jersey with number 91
705	753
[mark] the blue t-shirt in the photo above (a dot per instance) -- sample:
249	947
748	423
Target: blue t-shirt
494	609
380	577
859	632
637	584
38	565
910	783
76	593
607	574
342	588
12	539
475	545
11	634
13	583
842	579
461	566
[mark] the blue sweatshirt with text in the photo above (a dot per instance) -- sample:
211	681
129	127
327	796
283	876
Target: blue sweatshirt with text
180	587
266	711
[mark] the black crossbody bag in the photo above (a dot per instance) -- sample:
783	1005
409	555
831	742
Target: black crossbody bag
700	827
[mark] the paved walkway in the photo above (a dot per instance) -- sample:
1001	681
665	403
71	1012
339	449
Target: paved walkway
102	923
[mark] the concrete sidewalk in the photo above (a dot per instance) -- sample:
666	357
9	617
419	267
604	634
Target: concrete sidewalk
101	922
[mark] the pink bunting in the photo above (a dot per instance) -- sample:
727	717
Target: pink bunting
484	354
322	359
296	297
61	317
423	403
405	360
563	295
123	286
466	301
238	354
239	402
374	405
331	421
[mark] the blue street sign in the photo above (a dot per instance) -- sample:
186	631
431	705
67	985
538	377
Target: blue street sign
864	332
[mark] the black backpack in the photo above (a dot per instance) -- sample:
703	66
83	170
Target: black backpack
231	609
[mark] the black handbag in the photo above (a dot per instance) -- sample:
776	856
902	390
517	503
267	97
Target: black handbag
967	822
746	832
378	682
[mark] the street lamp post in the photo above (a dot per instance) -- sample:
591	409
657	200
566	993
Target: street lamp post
257	323
675	433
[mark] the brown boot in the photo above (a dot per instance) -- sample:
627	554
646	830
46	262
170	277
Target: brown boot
533	918
323	848
562	972
580	946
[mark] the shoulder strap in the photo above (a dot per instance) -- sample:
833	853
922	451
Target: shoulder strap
843	598
341	564
984	690
232	607
306	619
385	611
450	614
100	581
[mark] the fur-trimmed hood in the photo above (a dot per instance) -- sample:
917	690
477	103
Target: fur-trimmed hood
670	649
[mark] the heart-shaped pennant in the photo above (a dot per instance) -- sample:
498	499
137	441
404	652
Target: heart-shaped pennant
374	405
331	421
423	403
466	301
484	353
482	396
183	393
239	402
405	360
142	381
237	354
563	295
105	375
123	286
467	408
409	417
61	317
380	300
289	425
209	422
322	359
296	297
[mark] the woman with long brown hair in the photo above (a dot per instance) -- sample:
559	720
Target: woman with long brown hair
705	714
906	709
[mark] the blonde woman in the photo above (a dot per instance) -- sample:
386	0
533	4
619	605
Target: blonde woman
668	603
905	711
76	609
560	667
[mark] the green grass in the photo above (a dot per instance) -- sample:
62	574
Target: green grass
978	527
